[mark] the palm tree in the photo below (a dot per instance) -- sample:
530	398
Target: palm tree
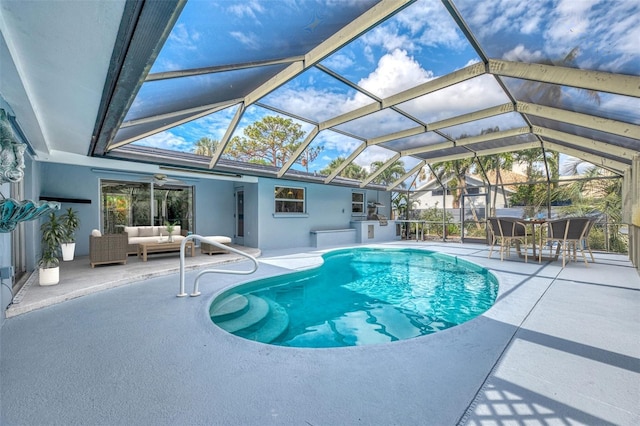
205	146
389	175
497	163
459	170
352	171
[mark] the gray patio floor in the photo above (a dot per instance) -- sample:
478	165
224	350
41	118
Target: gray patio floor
560	346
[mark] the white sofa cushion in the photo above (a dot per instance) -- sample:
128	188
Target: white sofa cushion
148	231
132	231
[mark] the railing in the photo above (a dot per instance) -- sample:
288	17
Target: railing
196	291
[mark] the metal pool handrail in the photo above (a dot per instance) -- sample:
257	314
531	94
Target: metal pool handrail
196	292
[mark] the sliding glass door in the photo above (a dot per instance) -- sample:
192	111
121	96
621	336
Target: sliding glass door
142	204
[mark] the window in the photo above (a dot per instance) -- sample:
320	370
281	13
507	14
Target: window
130	204
439	192
289	199
357	203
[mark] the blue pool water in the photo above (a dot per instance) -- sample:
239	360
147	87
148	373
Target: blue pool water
358	297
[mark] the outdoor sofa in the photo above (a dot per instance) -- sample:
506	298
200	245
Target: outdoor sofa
149	234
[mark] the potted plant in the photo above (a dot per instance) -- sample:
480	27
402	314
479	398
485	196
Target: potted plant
70	223
170	227
53	233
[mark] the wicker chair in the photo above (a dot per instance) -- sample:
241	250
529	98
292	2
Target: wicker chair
568	234
507	231
109	248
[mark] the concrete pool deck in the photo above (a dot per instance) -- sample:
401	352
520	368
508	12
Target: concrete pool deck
560	346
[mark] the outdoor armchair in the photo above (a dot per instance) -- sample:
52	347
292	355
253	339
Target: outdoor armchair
568	234
506	231
108	248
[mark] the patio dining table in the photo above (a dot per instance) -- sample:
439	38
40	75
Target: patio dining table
541	225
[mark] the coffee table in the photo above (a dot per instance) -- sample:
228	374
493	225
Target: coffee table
163	247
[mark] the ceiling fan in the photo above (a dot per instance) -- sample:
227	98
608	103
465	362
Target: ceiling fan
160	179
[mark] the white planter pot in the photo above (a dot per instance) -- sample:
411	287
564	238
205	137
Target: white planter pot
68	249
49	276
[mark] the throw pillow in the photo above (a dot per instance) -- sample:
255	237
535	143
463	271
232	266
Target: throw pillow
147	231
96	233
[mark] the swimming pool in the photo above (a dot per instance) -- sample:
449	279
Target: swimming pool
357	297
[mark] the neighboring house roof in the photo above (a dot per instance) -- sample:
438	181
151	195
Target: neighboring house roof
474	180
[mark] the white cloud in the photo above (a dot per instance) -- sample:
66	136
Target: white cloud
522	54
388	37
251	40
166	140
473	94
396	72
184	38
335	142
371	154
250	8
339	62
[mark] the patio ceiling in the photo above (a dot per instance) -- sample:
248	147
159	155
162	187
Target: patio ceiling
421	81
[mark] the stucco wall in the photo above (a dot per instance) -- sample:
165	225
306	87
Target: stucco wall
213	199
328	207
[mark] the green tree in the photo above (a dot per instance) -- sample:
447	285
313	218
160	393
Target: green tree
458	169
271	141
205	146
497	163
534	196
352	171
389	175
597	198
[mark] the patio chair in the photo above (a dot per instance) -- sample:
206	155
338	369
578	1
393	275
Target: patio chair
507	231
568	234
108	248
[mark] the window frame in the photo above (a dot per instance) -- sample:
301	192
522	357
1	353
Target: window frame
354	203
293	201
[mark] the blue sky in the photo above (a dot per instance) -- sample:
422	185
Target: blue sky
420	43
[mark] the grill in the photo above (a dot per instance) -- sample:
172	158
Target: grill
372	214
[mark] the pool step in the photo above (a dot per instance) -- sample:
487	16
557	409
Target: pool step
229	307
269	329
257	310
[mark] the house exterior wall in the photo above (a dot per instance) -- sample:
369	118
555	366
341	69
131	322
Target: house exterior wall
327	207
426	200
213	199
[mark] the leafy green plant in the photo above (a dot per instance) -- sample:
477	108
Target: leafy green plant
71	223
53	234
170	227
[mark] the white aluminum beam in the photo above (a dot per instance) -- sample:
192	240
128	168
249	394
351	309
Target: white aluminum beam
621	84
210	109
493	136
472	116
582	142
415	92
397	135
346	162
156	130
291	161
597	160
436	84
227	136
351	31
428	148
509	148
406	175
382	168
584	120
